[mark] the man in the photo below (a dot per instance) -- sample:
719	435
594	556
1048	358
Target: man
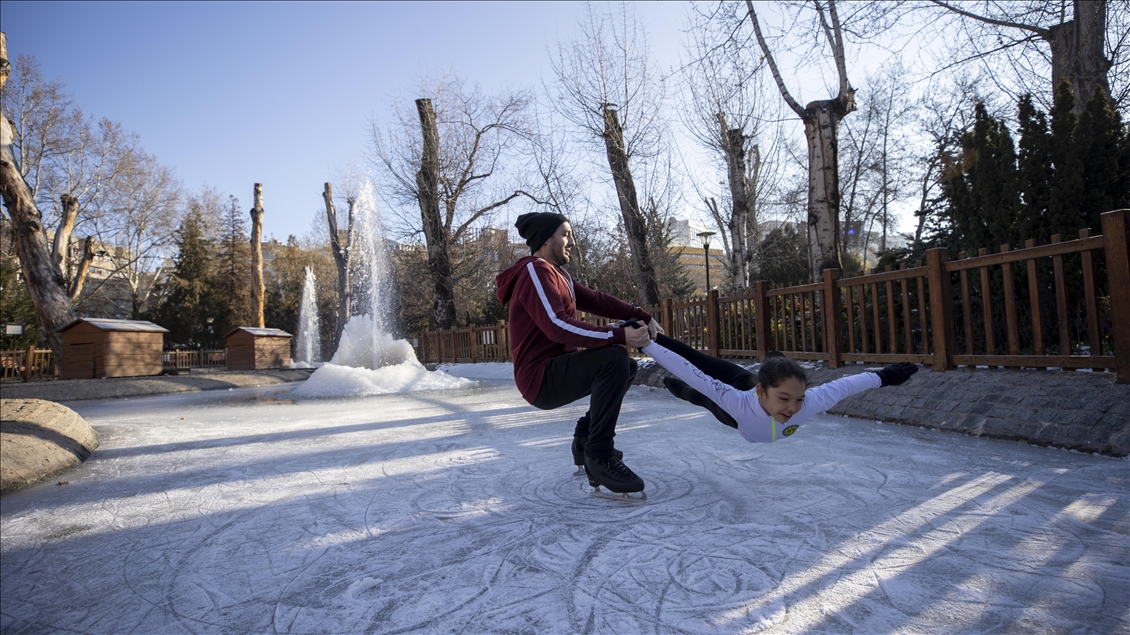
545	338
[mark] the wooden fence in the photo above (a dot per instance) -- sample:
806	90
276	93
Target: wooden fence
1047	306
202	358
14	364
474	343
27	364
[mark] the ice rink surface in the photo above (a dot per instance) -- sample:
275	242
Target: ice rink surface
457	511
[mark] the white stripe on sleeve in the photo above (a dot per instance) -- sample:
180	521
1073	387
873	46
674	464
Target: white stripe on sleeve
599	335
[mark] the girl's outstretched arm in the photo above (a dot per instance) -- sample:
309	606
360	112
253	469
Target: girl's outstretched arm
824	396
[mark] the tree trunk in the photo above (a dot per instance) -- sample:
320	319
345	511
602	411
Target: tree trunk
821	127
435	232
79	278
733	145
342	255
1078	53
258	289
60	248
634	223
44	280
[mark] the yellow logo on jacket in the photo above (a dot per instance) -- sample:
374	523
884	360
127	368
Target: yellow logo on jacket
789	430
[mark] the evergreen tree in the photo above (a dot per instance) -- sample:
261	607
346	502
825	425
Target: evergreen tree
15	302
1034	169
185	311
231	285
784	256
981	187
1101	141
1064	216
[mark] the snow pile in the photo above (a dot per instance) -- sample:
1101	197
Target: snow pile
333	380
369	362
364	345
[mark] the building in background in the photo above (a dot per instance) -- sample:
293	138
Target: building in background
688	246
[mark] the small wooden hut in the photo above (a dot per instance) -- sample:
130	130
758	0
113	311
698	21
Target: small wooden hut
252	348
95	348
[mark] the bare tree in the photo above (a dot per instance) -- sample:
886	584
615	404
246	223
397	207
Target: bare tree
44	281
68	162
258	290
875	168
452	161
341	245
134	232
607	87
821	127
1042	40
726	111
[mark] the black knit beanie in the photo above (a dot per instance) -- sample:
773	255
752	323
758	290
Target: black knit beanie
537	227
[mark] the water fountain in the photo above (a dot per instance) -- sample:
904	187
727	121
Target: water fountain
369	360
308	343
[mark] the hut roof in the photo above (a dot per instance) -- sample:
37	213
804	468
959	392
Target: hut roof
258	332
106	324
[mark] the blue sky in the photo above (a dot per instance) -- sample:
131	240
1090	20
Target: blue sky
230	94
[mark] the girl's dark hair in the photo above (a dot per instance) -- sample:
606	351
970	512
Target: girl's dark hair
776	368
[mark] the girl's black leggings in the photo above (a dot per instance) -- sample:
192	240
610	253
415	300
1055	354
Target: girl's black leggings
720	369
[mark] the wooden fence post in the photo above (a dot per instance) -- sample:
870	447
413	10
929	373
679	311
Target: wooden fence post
941	308
1116	241
28	355
712	322
503	341
471	337
832	307
669	317
760	320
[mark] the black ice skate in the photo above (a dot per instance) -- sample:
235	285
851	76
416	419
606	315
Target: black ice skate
620	481
579	454
680	389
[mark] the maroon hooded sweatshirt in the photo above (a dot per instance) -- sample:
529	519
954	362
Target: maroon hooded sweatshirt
543	318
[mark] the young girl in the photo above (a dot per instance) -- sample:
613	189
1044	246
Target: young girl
765	407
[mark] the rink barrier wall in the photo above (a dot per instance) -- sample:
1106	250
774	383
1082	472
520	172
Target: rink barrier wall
1084	411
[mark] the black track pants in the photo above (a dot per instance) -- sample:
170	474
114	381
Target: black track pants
720	369
606	374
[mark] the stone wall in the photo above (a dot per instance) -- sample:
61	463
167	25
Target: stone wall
1074	410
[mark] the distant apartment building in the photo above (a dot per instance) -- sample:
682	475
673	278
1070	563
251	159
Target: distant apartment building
689	247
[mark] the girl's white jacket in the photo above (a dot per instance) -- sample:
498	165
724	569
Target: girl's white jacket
753	422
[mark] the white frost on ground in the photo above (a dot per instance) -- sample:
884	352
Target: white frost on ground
488	371
457	511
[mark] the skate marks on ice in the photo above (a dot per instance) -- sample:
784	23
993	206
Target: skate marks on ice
459	512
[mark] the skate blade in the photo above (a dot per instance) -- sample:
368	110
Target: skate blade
628	497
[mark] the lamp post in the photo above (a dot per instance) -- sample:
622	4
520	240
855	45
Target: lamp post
705	236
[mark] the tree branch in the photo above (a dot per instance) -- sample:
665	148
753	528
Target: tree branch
773	63
1043	33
